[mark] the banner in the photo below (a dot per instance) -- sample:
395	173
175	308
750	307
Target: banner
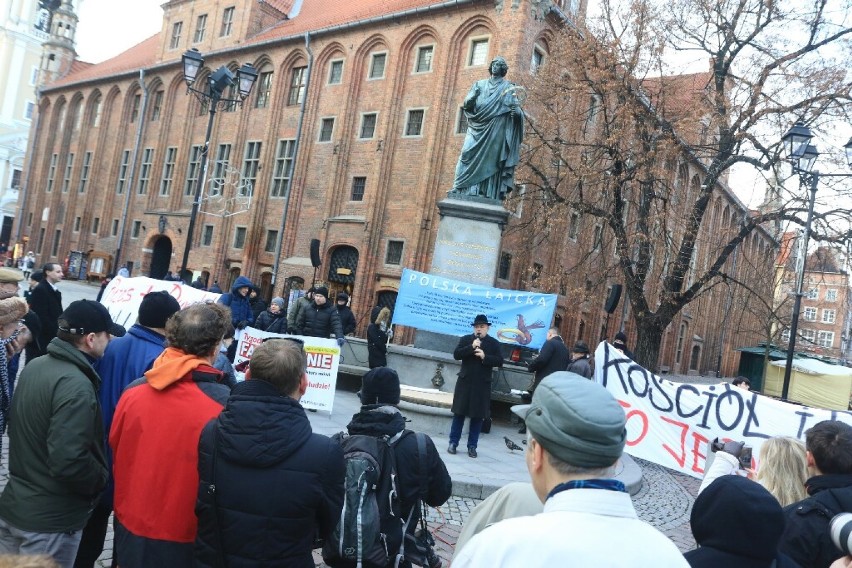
123	296
437	304
323	358
670	423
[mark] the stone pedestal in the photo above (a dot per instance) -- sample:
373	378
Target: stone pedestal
467	248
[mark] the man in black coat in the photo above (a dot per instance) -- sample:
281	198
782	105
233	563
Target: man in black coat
46	301
479	354
319	319
580	361
268	486
806	538
344	312
554	356
379	416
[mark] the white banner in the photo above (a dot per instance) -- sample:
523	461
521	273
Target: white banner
323	358
123	296
670	423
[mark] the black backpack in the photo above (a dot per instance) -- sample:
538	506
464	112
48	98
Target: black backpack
370	531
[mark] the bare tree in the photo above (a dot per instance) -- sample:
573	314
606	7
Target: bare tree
639	155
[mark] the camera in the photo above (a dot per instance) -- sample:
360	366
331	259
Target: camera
419	549
840	529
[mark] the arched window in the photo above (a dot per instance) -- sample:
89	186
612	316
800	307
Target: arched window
681	337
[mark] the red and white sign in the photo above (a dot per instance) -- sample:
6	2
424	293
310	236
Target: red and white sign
123	296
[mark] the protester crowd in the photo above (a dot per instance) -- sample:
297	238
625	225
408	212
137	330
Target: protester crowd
149	424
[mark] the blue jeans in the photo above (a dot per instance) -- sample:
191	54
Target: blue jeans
62	547
472	433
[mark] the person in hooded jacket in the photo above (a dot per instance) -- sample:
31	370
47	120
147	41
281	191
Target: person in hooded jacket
737	523
344	312
273	320
377	337
258	304
242	315
379	416
154	441
276	485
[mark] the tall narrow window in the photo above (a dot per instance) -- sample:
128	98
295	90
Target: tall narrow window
157	106
326	130
478	52
227	21
335	72
51	172
251	161
192	170
264	89
461	125
136	229
505	268
220	169
358	186
368	125
56	238
424	59
297	86
207	236
66	181
393	255
537	60
414	123
574	226
114	230
77	222
177	29
283	168
377	65
96	225
271	241
122	172
239	237
145	170
134	109
200	26
97	108
168	171
84	171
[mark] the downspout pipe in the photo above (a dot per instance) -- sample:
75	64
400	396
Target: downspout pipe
302	109
128	186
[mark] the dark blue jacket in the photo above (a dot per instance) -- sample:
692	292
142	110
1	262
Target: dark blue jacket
240	306
278	485
125	360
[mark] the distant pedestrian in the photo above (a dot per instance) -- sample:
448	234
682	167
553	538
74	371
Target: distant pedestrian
258	304
479	353
104	283
29	264
241	314
299	305
57	466
320	318
378	334
553	356
46	301
124	271
620	343
273	319
269	485
154	439
222	363
580	361
215	287
344	312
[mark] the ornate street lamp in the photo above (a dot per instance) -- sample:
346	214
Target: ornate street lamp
802	156
211	95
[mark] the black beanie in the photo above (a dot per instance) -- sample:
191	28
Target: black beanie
380	386
156	308
322	291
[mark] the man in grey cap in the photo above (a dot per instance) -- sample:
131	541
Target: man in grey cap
576	436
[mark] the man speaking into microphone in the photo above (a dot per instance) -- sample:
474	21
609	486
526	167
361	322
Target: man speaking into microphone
479	354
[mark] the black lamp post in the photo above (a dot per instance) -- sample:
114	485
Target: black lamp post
802	156
218	81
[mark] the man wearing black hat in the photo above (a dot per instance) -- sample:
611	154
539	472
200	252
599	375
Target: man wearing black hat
344	312
620	343
57	472
580	360
576	436
125	360
479	354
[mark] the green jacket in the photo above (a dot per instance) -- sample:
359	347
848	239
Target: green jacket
57	467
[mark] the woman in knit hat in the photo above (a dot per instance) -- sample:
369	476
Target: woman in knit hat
273	319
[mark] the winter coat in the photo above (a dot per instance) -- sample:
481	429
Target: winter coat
239	304
154	439
806	538
47	304
296	310
57	466
125	360
347	319
472	395
377	341
222	363
319	321
554	356
581	366
380	420
737	523
273	323
278	485
258	306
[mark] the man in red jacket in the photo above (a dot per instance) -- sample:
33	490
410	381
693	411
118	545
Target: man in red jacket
154	439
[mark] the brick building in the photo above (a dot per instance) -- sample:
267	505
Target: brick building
350	136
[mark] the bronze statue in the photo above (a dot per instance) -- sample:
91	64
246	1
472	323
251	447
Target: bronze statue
491	149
